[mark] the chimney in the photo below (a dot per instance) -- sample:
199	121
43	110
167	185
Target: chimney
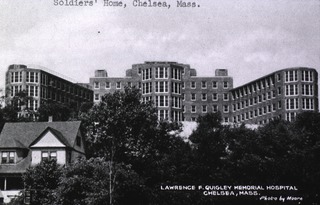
50	119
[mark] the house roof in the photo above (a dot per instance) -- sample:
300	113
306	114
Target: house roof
18	168
56	133
22	134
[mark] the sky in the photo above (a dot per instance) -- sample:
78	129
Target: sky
250	38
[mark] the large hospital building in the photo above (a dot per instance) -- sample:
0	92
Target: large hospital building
180	95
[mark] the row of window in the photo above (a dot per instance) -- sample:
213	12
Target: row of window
292	76
204	108
193	84
248	89
161	73
254	113
252	101
293	104
193	96
164	115
31	77
96	85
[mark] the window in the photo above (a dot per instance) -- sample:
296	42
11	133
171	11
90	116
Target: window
193	84
176	73
225	84
291	75
306	76
225	96
46	155
162	101
176	88
53	155
291	90
7	157
204	108
96	97
162	87
204	96
307	104
307	89
118	85
107	85
146	74
161	73
203	84
214	108
214	84
214	96
193	96
279	77
225	108
292	104
96	85
193	109
279	90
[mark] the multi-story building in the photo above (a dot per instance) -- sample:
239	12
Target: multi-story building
174	88
180	95
282	94
43	85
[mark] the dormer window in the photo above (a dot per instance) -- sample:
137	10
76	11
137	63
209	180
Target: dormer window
8	157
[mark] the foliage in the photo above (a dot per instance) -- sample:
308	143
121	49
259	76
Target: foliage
42	180
119	125
87	182
58	111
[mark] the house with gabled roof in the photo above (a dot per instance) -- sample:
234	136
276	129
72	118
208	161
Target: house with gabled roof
26	144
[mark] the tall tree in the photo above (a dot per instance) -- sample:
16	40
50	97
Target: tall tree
86	182
42	180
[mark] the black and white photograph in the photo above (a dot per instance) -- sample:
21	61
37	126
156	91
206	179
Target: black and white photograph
169	102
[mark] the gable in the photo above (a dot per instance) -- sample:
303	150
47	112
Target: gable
28	132
48	139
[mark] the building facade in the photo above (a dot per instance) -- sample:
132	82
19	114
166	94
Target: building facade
45	86
180	95
174	89
282	94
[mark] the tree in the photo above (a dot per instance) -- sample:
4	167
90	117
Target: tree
209	147
117	126
122	129
42	180
86	182
58	111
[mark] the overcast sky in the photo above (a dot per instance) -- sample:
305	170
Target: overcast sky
250	38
